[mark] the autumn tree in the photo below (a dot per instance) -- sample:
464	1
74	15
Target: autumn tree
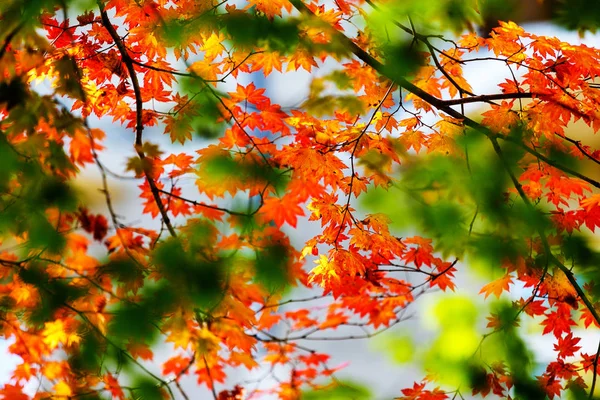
410	175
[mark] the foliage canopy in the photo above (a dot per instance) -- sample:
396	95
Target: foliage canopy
387	126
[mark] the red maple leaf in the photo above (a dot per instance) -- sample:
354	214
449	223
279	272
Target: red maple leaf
567	345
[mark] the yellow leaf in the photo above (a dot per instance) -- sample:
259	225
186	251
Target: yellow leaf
306	251
180	337
324	270
62	389
212	46
245	359
53	370
315	210
205	69
55	334
207	341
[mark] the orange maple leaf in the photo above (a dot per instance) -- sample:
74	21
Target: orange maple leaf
282	210
496	287
112	385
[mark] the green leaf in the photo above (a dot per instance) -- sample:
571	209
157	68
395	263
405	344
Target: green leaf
146	389
326	105
134	321
579	15
124	271
196	277
89	355
54	192
248	31
42	235
54	293
272	267
402	59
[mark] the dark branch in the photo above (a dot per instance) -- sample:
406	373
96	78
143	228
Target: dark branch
139	126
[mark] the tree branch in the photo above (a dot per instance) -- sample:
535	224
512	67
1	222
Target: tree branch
139	126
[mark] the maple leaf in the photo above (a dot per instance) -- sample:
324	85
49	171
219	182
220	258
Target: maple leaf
334	320
558	321
62	389
140	350
56	333
205	70
13	392
267	61
251	94
413	139
53	370
301	59
179	128
419	255
97	225
444	280
324	272
591	202
245	359
176	365
237	393
213	46
418	392
80	147
497	287
588	318
550	385
532	307
24	372
567	345
112	385
282	210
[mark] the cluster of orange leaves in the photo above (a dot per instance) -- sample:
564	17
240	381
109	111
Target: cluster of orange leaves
319	156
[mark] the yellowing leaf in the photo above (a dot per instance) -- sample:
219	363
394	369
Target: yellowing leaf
180	337
213	46
205	69
323	272
55	333
62	389
53	370
207	341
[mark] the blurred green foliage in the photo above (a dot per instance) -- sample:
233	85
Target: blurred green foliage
432	16
271	267
399	347
340	390
580	15
55	293
450	356
191	273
